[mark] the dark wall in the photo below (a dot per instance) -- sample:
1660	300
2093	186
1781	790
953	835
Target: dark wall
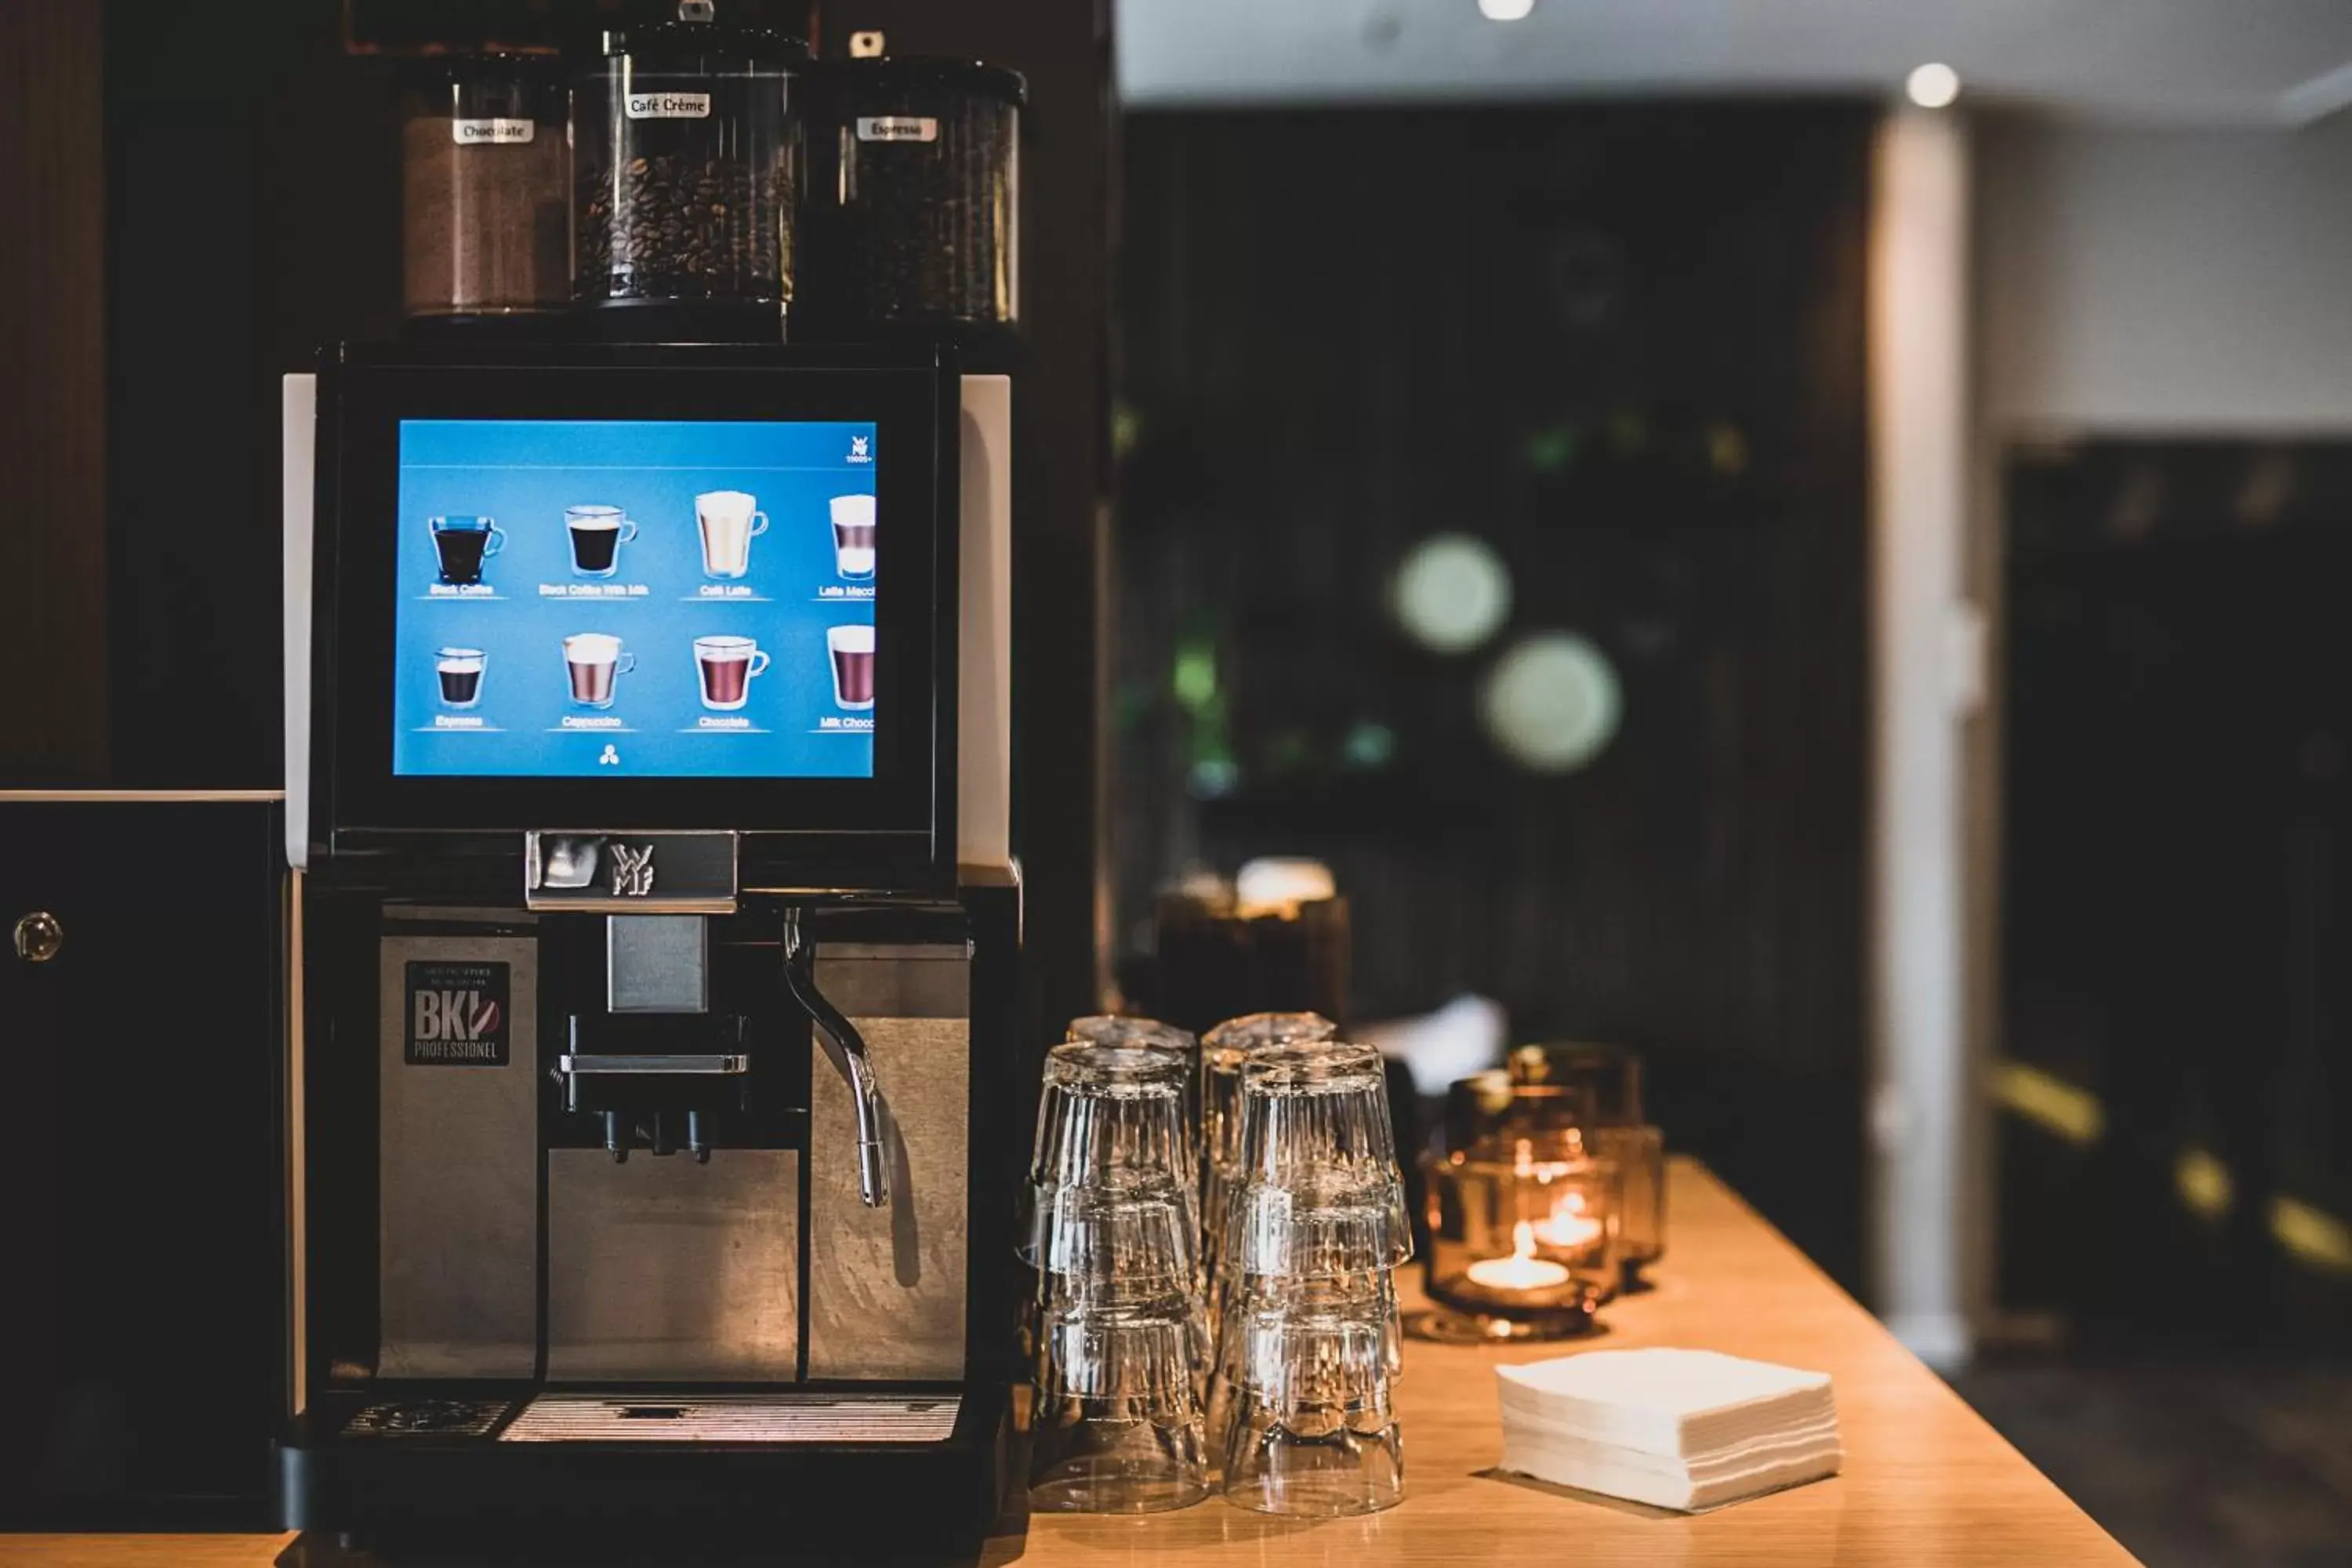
1623	346
52	396
2178	904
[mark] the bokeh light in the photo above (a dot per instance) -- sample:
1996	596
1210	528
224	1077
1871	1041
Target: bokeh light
1551	703
1453	593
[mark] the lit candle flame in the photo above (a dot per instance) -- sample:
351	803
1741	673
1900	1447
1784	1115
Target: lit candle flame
1523	1270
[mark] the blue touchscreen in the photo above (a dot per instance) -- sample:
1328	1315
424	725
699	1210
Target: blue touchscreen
634	598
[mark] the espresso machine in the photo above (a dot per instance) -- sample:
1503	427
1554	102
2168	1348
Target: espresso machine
647	735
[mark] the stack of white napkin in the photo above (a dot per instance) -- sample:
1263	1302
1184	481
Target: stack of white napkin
1674	1429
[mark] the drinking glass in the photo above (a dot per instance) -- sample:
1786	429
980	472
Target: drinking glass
1315	1121
1113	1117
1116	1427
1312	1431
1150	1034
1114	1249
1222	1051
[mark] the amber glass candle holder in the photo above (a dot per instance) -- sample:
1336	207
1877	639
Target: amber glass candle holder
1523	1237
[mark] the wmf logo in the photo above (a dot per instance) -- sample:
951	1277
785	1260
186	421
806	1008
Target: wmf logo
861	449
457	1015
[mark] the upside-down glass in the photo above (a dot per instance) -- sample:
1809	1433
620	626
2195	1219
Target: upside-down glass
1314	1119
1222	1051
1117	1425
1149	1035
1112	1118
1312	1431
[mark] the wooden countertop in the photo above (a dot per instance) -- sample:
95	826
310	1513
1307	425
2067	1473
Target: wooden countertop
1926	1482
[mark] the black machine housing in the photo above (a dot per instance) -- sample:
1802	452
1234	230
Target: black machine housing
855	862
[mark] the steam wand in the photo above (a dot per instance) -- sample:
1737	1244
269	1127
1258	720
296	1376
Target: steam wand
856	1062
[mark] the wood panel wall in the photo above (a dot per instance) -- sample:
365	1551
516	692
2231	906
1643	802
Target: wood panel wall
1623	346
52	396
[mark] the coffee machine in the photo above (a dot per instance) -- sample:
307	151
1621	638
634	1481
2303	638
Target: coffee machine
658	939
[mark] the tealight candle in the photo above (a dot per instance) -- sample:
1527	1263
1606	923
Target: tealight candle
1523	1270
1517	1273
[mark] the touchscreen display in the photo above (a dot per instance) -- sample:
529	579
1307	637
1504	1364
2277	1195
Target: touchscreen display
634	598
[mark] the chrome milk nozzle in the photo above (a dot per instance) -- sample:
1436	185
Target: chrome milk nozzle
855	1061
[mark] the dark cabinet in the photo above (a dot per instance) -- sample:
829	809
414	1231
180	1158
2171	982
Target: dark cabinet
144	1354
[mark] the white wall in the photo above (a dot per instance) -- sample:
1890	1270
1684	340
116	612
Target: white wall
2153	279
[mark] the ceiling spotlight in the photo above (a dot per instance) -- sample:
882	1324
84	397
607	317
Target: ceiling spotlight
1933	85
1505	10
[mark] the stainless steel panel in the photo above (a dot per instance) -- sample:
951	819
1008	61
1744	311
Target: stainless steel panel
661	1270
887	1286
458	1174
735	1418
896	980
657	964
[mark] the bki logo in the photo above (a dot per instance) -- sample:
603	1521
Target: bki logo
461	1017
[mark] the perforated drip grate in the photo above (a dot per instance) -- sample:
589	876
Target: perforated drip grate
733	1418
426	1419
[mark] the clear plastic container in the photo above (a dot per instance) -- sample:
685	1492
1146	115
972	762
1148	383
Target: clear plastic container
687	154
914	195
483	202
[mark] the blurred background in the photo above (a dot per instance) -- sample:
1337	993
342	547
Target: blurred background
1806	539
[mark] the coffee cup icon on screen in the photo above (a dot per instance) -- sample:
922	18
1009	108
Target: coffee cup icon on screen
852	651
462	543
597	534
727	666
853	536
593	662
459	670
730	520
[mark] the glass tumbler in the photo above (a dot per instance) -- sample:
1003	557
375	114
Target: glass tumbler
1117	1425
1312	1431
1222	1051
1150	1034
1315	1118
1113	1117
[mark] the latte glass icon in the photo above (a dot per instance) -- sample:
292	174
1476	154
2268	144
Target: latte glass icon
462	543
459	670
597	534
853	536
852	649
727	666
730	520
593	662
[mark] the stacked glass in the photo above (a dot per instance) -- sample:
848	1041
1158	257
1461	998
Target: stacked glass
1299	1396
1223	1052
1113	1236
1150	1034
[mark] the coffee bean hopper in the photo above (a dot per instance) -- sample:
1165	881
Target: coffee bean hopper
685	144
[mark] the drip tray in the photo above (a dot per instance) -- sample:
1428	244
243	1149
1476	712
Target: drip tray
734	1418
